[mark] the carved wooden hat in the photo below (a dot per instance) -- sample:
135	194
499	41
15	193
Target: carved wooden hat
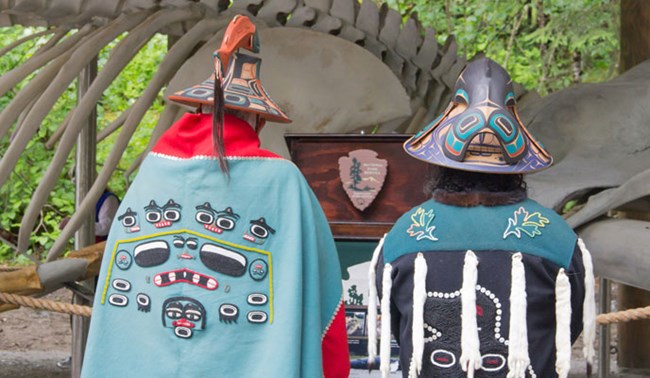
242	89
480	130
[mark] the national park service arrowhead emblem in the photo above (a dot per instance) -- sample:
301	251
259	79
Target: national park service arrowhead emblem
362	175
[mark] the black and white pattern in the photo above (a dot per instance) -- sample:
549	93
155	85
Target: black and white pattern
443	327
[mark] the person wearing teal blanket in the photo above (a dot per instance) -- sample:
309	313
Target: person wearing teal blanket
213	272
480	281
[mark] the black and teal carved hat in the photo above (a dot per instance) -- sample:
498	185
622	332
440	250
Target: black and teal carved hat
480	130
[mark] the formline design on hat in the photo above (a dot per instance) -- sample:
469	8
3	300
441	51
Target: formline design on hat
239	76
480	130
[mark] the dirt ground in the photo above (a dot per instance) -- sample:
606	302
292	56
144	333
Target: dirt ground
32	341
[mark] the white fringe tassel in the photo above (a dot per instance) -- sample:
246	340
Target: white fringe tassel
419	297
384	347
372	303
412	372
518	359
563	324
470	358
589	306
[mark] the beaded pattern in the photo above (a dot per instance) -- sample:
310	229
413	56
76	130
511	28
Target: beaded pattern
436	334
482	290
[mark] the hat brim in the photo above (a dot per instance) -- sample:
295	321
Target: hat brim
241	90
202	95
428	147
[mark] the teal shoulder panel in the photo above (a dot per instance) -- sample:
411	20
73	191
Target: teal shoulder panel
525	227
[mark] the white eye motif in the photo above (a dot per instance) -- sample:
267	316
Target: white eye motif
121	285
174	313
118	300
259	231
172	215
193	315
192	243
143	299
153	216
204	217
228	313
443	358
128	221
492	362
257	316
225	223
257	299
228	310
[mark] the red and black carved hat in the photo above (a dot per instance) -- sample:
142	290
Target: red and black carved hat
480	130
239	75
237	87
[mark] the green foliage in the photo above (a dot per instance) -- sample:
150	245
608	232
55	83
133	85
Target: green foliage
569	206
120	95
16	193
542	53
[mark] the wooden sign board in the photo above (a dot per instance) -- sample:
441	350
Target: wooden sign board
317	156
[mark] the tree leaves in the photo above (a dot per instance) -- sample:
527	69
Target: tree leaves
587	27
16	193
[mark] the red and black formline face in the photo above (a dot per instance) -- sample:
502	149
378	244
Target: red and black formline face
129	221
258	231
162	217
185	315
185	245
188	266
214	220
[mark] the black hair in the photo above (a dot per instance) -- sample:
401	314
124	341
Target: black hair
218	108
455	181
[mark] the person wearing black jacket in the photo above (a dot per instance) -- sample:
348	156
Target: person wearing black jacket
480	281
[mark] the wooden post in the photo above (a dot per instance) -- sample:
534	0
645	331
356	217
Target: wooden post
605	299
635	33
634	337
84	176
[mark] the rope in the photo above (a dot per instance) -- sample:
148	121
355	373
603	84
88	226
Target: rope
67	308
624	316
44	304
